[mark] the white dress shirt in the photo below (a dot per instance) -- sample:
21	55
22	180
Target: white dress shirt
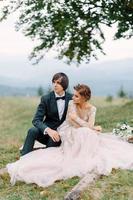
60	107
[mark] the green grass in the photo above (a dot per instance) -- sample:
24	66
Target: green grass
117	186
15	119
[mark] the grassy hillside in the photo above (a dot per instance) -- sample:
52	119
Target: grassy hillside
15	119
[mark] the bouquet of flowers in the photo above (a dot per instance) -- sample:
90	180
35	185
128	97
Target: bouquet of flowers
124	130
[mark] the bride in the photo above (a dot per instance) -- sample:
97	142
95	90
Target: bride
83	148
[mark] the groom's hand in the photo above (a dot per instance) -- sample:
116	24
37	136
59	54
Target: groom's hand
53	134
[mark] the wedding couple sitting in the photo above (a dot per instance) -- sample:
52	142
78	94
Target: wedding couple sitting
66	124
54	108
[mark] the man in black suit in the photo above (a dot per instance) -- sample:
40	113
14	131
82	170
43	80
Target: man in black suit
50	114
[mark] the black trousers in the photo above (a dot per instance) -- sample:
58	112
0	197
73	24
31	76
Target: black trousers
33	135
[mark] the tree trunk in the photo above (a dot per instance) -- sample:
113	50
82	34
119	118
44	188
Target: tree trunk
74	194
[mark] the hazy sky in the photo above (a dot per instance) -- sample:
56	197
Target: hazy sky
14	43
15	48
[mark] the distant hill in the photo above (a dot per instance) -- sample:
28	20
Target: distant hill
105	78
15	91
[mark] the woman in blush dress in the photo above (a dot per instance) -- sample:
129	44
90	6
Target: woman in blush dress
83	149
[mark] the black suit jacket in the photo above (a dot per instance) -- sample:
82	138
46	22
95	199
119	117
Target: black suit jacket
47	112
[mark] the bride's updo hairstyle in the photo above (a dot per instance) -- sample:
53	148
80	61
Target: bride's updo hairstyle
83	90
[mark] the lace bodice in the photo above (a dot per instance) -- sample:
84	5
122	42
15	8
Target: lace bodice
85	118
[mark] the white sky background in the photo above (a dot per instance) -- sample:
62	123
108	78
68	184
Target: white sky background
14	43
15	48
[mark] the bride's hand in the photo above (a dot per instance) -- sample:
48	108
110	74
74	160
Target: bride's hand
98	128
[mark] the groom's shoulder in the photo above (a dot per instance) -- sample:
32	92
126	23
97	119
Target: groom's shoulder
48	96
69	95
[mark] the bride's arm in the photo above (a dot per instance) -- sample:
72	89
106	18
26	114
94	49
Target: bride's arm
91	119
76	121
90	123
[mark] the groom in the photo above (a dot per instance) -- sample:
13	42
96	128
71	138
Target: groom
50	114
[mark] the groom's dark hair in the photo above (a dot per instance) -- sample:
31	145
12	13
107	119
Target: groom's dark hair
63	79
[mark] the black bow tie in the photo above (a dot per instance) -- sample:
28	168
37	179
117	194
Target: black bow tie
58	98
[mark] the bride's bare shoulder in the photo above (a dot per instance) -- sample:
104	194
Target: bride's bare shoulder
91	107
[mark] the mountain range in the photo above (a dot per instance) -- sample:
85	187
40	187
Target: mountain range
105	78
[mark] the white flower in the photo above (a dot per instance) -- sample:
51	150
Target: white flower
123	130
123	126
